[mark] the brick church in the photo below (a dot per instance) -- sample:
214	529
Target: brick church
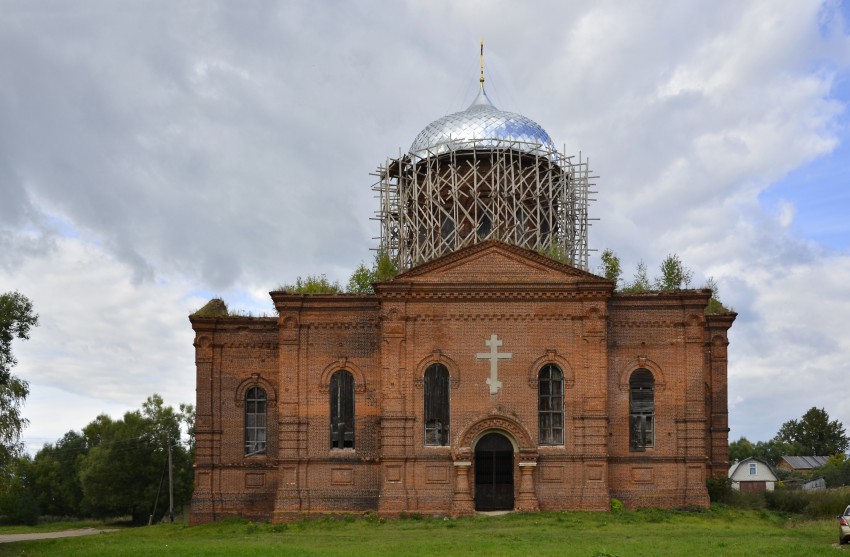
494	372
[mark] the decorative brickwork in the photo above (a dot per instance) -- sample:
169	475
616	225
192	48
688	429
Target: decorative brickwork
443	312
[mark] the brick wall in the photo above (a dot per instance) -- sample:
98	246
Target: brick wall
443	312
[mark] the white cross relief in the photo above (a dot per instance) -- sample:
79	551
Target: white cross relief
494	356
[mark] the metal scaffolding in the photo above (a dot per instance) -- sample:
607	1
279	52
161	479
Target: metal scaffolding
436	201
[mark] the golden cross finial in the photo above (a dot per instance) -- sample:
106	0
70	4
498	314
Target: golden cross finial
481	79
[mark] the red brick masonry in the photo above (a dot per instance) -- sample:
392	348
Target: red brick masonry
443	312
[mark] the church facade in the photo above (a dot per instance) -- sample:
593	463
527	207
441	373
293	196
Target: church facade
489	378
485	376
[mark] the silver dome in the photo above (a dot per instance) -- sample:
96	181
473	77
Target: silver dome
482	125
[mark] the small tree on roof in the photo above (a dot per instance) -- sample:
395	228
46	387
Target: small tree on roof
674	274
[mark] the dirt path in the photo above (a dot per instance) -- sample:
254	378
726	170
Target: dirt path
7	538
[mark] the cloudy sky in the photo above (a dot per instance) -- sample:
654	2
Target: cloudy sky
156	154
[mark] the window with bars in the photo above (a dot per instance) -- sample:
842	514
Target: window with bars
437	405
550	405
342	410
255	421
641	410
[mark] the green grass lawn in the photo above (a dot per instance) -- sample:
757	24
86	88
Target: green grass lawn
721	531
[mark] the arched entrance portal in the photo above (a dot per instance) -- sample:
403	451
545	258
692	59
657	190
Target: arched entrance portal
494	473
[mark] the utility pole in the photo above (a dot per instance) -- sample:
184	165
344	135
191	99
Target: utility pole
170	483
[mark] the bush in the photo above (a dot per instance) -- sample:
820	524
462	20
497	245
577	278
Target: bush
813	504
18	506
750	501
787	500
828	503
719	489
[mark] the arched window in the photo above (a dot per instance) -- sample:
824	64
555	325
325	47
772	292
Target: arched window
255	421
520	226
485	224
447	227
550	405
437	405
342	410
641	410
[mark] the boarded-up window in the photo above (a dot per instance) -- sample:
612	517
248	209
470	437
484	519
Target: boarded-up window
437	405
342	410
255	421
550	405
641	410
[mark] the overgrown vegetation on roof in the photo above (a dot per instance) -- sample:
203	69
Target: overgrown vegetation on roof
556	252
363	277
214	308
218	308
312	284
674	276
360	282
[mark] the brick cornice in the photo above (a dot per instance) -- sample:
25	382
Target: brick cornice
230	323
342	325
515	292
502	316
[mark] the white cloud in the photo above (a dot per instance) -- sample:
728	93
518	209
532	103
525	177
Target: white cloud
154	156
102	337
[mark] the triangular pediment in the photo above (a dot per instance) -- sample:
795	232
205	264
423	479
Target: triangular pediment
497	263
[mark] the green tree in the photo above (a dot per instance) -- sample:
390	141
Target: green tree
313	284
363	277
124	472
640	282
773	450
674	275
54	476
815	434
836	472
361	280
187	416
714	304
16	320
17	503
769	451
384	267
611	266
741	449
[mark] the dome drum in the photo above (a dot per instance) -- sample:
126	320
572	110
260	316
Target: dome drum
473	176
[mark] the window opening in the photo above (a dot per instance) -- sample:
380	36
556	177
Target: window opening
437	416
255	421
342	410
641	410
550	405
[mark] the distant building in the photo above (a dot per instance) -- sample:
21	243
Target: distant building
752	474
801	464
818	484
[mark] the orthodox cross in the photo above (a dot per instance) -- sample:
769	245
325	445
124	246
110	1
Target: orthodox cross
494	356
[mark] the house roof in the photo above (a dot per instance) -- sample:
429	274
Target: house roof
805	462
735	466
